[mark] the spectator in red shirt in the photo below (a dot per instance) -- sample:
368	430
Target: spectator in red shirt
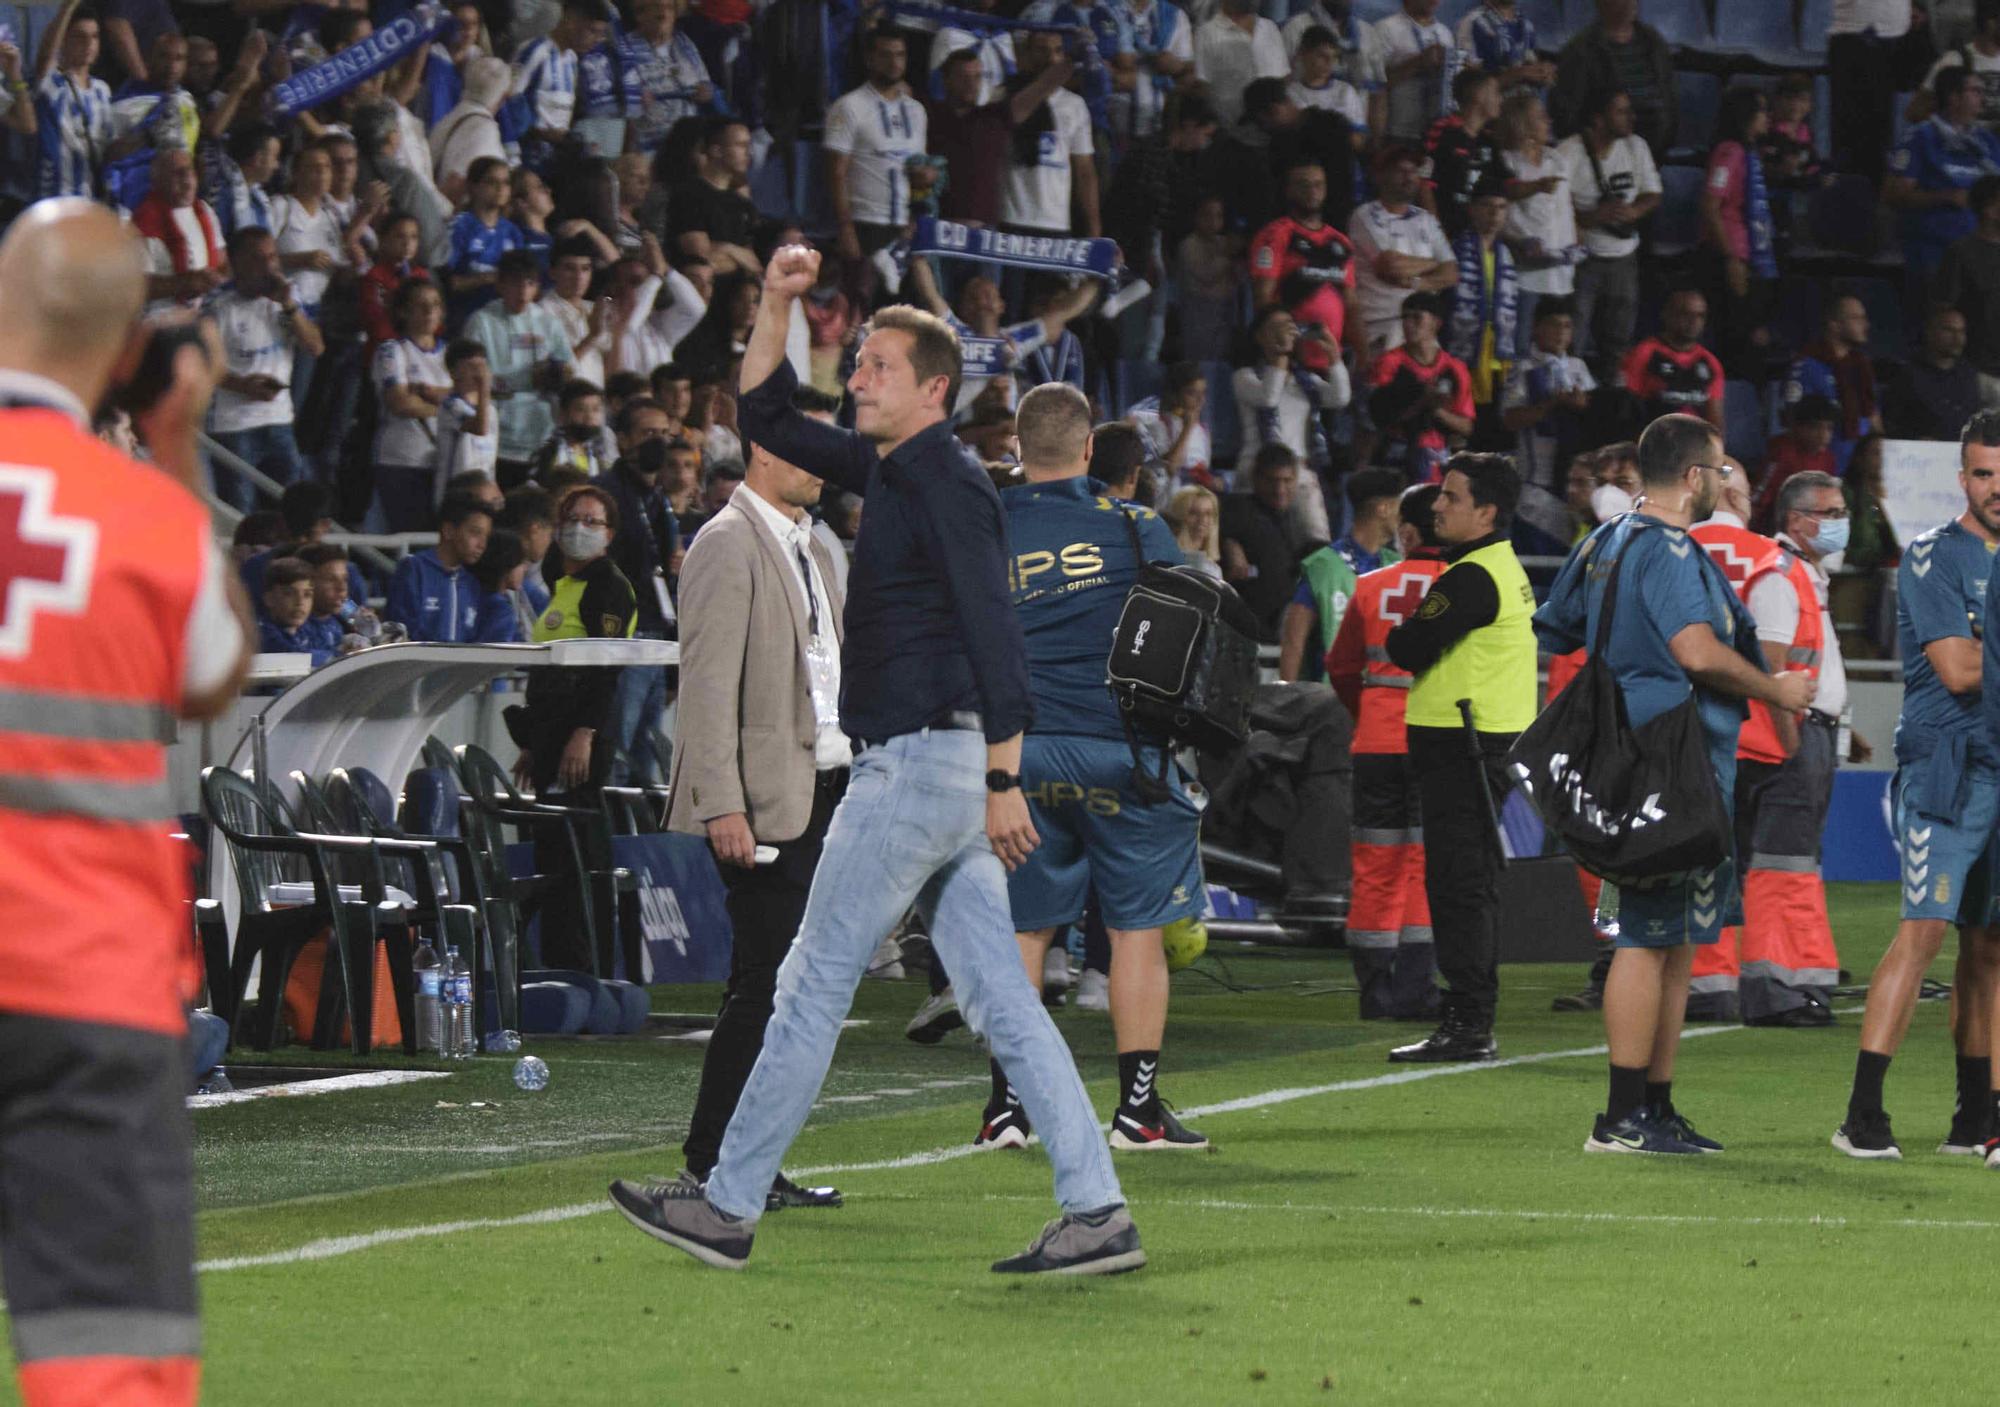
1807	444
395	261
1673	371
1305	265
1421	402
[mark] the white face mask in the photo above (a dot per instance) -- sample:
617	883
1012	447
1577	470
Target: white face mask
584	544
1607	501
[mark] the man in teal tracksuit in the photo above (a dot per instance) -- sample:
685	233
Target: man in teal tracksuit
1075	552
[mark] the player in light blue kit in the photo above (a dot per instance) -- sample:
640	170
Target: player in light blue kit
1075	552
1947	803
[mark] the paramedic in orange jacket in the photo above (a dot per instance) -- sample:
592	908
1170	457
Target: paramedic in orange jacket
118	617
1389	917
1786	766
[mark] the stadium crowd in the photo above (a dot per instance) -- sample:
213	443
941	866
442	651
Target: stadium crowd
531	246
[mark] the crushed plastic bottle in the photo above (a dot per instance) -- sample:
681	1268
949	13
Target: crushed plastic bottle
502	1042
531	1073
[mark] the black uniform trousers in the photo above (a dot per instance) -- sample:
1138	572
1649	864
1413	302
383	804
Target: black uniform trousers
1462	860
765	904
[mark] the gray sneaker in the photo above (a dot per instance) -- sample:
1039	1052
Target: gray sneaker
1081	1243
937	1018
680	1214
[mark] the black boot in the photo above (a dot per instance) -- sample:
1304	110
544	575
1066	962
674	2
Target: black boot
1591	998
1459	1038
1373	974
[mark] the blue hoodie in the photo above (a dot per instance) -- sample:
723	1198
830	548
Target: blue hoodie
432	601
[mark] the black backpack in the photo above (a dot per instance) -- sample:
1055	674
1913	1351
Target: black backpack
1183	664
1635	806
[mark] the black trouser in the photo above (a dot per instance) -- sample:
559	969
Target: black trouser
1864	101
766	904
1462	860
96	1192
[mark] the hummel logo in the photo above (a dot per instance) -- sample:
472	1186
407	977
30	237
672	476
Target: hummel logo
1920	837
1679	549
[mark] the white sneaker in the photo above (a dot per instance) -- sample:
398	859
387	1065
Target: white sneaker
1991	1148
887	964
1093	991
1055	976
937	1018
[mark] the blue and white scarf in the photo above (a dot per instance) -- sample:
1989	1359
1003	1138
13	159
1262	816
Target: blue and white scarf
1474	305
1270	430
352	66
1061	254
1757	216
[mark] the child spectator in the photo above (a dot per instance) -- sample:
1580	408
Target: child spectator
410	384
1422	398
467	433
284	624
578	440
1541	222
531	359
1547	393
504	617
1486	300
530	515
480	237
432	595
335	613
1739	246
395	261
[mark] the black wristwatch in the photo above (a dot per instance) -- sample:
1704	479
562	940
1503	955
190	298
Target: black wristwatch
998	780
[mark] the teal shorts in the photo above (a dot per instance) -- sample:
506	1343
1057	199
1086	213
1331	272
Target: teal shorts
1144	862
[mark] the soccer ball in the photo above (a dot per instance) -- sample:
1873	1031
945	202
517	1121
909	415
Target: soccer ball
1185	940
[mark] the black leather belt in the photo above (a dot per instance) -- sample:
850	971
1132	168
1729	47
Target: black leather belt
1825	720
959	720
831	778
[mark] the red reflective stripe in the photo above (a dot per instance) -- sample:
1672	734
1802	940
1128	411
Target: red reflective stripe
110	1382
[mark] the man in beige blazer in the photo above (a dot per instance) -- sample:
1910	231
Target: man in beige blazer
759	757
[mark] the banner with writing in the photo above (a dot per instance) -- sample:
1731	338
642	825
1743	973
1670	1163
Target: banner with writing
1063	254
380	51
1920	486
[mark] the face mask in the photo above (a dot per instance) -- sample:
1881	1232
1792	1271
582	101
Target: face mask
1607	501
582	544
577	434
1832	536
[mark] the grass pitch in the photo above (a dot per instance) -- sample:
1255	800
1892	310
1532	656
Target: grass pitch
1440	1238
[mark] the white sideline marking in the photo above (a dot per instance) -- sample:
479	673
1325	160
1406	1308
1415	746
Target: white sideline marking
334	1246
333	1084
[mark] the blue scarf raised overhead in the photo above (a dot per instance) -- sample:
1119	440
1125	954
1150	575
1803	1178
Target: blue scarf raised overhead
1757	217
1471	310
1063	254
352	66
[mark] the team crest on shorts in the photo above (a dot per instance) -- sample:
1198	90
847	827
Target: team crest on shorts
1943	891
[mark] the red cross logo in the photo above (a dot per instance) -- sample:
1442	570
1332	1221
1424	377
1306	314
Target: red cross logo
1400	602
45	560
1734	564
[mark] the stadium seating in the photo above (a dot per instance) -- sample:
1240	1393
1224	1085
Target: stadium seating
1677	227
1680	22
1744	422
1760	29
1700	95
266	850
1842	216
1815	23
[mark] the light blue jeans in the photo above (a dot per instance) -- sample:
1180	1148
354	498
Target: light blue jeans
911	830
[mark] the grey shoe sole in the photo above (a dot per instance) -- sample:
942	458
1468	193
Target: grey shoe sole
1891	1154
1103	1265
707	1255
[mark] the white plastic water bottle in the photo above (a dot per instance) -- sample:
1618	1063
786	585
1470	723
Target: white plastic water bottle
458	1042
531	1074
430	995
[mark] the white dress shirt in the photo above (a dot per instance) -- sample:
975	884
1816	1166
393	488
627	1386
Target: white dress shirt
1775	607
830	745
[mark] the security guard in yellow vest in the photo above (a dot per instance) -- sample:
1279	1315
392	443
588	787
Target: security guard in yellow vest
1472	640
